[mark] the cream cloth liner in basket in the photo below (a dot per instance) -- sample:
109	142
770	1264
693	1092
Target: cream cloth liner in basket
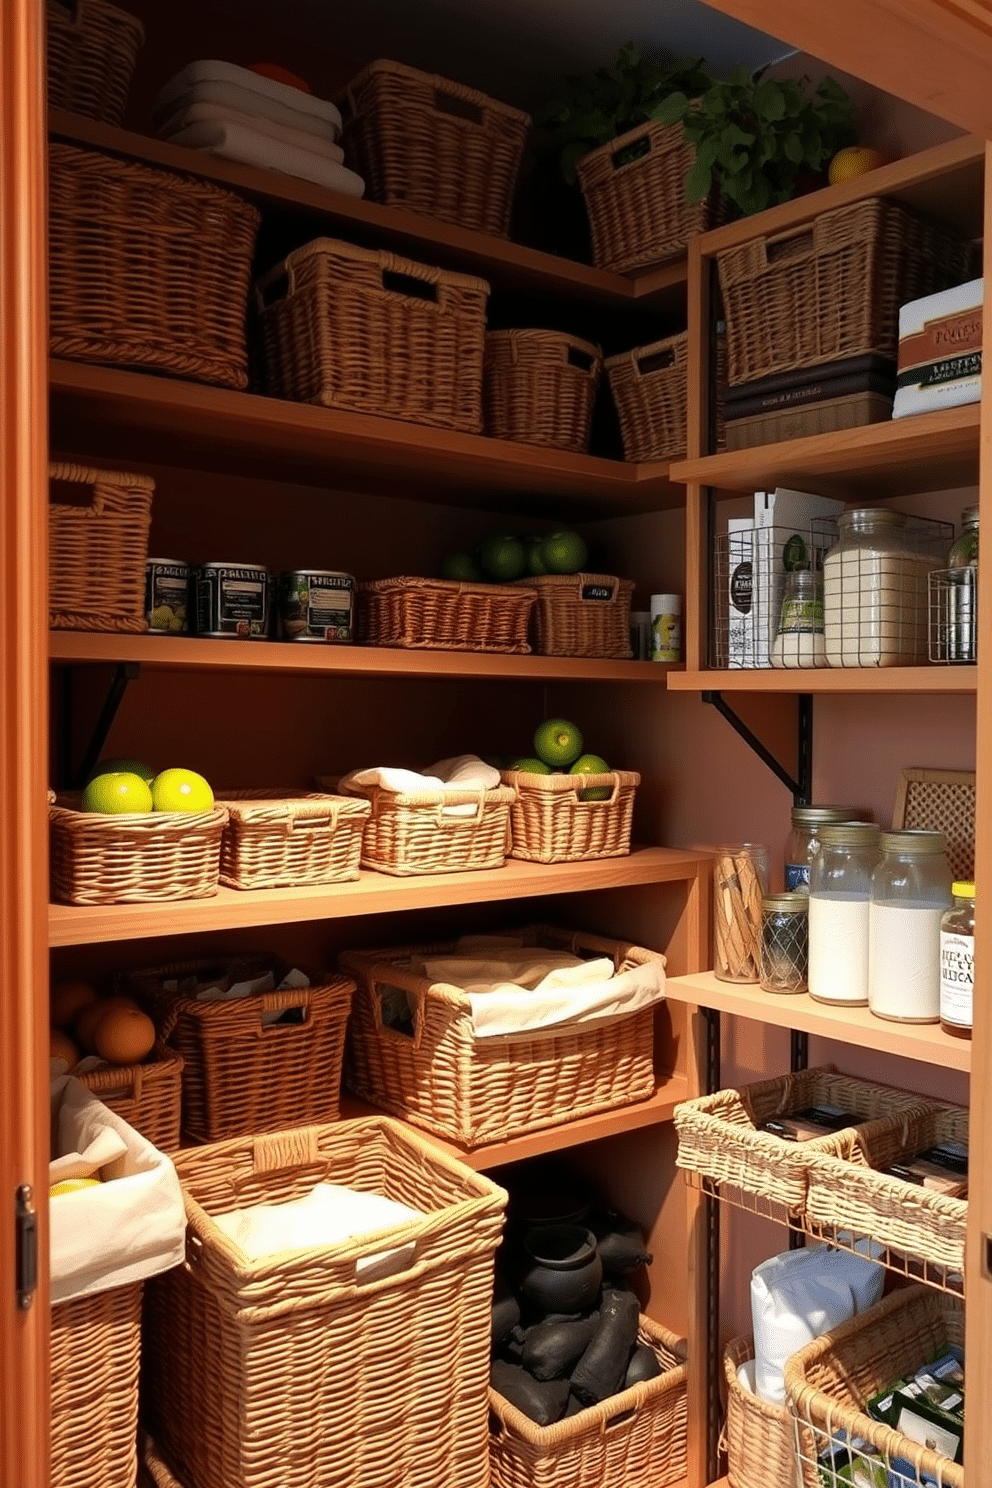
462	772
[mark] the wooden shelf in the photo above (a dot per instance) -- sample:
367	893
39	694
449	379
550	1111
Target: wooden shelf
888	680
925	1042
144	419
372	893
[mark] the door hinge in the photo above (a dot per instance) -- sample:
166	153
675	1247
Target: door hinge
27	1246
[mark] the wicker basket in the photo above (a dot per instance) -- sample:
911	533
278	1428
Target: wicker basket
830	1380
279	839
96	1351
550	823
444	615
97	552
148	268
760	1437
719	1136
147	1096
242	1072
363	330
637	1438
583	615
832	287
134	858
539	387
411	832
309	1368
637	210
434	146
92	49
412	1050
649	390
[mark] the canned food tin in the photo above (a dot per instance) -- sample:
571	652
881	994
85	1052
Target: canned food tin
167	595
316	604
232	601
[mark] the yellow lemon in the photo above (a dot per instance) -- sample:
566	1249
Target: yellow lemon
853	161
72	1185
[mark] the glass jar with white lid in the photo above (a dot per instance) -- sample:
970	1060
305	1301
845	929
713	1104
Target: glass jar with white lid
839	899
910	890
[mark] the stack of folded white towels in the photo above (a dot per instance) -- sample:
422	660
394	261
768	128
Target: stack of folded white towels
243	115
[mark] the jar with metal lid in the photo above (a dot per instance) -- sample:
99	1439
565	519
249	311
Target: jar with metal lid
957	950
803	842
799	637
784	942
839	897
910	890
875	592
962	591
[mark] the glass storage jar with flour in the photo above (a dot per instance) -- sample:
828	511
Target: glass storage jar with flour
910	890
875	588
839	899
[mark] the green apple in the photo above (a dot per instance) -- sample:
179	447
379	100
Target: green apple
181	790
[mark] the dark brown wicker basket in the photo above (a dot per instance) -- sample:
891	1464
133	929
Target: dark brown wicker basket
650	393
444	615
92	49
583	615
539	387
97	551
147	1096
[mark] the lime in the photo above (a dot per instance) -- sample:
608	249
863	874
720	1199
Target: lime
592	764
116	793
531	766
462	567
181	790
557	742
503	558
126	767
535	562
564	553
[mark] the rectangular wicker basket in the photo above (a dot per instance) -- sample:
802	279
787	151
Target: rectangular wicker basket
583	615
97	551
278	839
299	1369
96	1353
412	1050
637	1438
430	145
243	1071
364	330
551	823
539	387
92	49
412	832
760	1437
147	268
649	389
445	615
147	1096
134	858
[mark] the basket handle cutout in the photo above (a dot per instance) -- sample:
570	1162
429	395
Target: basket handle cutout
794	244
273	289
406	284
631	150
83	495
655	362
478	799
598	593
609	801
620	1419
459	108
398	1011
580	359
296	1148
295	1015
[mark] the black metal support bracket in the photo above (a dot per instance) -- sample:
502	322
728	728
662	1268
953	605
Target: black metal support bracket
711	1220
800	786
124	673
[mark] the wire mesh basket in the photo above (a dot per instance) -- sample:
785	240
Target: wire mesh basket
953	604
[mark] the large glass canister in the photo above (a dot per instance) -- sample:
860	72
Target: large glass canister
875	592
803	842
910	890
839	899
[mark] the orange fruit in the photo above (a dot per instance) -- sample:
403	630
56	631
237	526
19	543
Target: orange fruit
124	1036
72	1185
278	74
592	764
67	1000
853	161
93	1015
531	766
503	558
60	1046
564	553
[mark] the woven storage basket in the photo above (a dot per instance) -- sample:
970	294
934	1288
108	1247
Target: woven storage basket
719	1136
583	615
852	1194
830	1380
242	1073
431	145
412	1049
96	1351
539	387
760	1437
410	832
147	268
147	1096
636	1438
444	615
359	329
649	390
637	211
550	823
298	1369
153	1470
92	49
832	287
97	552
279	839
133	858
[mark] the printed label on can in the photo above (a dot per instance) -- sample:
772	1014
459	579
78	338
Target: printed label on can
167	595
316	606
957	978
232	600
666	637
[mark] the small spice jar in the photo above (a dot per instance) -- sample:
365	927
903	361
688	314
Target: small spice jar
839	898
784	942
957	951
804	840
910	890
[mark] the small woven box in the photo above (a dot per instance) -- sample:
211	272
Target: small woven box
760	1436
583	615
649	389
95	1360
445	615
147	1096
92	49
278	839
539	388
133	858
551	823
413	832
97	550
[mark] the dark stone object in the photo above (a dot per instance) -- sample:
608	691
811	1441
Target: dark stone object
643	1366
563	1271
619	1242
543	1401
601	1370
506	1309
553	1347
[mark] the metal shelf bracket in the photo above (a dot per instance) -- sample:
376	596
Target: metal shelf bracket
801	786
124	673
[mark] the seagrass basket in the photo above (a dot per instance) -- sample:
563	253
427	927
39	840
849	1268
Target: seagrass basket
365	330
133	858
380	1342
278	839
97	550
95	1355
434	146
92	49
582	615
760	1437
636	1438
413	832
147	268
551	823
147	1096
445	615
539	388
649	389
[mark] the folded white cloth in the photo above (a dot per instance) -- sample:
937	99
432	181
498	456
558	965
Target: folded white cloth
463	772
216	113
235	142
212	81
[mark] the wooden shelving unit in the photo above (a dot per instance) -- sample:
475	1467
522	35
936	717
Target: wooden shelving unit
875	680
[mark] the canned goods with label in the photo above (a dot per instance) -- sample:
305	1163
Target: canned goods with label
316	605
232	601
167	595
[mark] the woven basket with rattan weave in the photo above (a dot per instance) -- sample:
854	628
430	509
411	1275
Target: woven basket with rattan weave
637	1438
412	832
760	1437
97	551
92	49
133	858
539	387
277	839
96	1353
434	146
445	615
364	330
147	268
551	823
336	1364
147	1096
582	614
412	1050
649	390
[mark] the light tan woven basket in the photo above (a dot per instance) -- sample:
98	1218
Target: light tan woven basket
147	1096
96	1352
830	1380
649	390
539	387
550	823
412	1050
133	858
333	1364
97	552
719	1136
434	146
243	1072
637	1438
147	268
412	832
278	839
92	49
760	1437
582	615
444	615
364	330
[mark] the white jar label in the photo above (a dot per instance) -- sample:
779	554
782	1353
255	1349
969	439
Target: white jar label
956	978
